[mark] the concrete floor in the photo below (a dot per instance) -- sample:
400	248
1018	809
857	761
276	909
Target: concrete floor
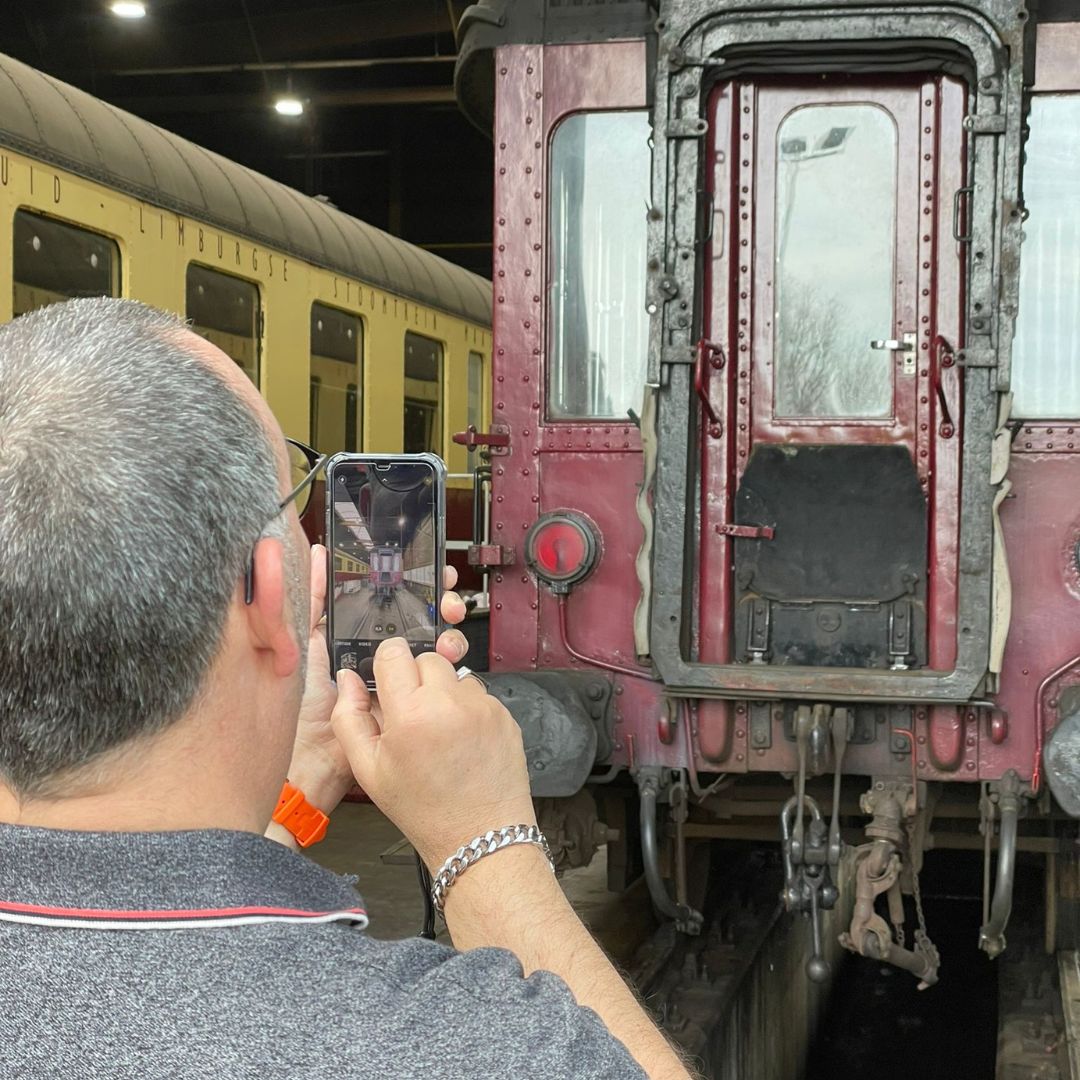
359	835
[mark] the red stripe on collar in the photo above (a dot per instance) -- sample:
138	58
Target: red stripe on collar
193	915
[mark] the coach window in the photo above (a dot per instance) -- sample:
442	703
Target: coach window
598	327
337	344
476	398
1046	352
423	394
225	310
54	261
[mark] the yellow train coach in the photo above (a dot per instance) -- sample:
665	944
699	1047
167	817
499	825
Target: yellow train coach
357	340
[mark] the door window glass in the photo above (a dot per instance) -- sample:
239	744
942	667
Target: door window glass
225	310
1046	352
835	242
423	394
53	261
598	326
337	340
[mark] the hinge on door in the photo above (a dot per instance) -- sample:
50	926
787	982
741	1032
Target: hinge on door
687	127
490	555
985	123
972	357
757	644
900	624
761	718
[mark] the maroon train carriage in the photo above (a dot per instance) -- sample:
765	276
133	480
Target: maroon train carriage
785	538
385	573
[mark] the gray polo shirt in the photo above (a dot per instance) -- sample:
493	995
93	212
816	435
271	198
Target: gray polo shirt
221	954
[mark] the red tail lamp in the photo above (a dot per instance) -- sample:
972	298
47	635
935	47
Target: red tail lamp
561	549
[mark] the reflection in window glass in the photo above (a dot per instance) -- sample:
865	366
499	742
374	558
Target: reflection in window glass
52	261
337	340
835	237
476	399
1046	352
423	394
599	329
225	310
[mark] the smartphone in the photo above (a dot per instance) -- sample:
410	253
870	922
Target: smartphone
386	538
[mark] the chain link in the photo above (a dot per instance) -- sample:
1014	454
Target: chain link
916	892
476	849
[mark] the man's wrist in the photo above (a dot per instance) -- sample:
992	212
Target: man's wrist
492	883
324	785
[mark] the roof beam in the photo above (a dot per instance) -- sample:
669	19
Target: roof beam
370	97
290	65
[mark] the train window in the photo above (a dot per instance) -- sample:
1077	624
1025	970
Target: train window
598	328
423	394
337	348
225	310
835	253
476	398
1046	353
53	261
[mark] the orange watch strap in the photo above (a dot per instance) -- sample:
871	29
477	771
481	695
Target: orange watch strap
306	822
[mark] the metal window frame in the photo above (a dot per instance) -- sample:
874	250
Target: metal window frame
697	43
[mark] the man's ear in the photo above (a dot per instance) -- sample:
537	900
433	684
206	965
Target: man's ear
268	615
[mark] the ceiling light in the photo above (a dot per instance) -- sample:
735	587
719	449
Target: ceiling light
128	9
289	106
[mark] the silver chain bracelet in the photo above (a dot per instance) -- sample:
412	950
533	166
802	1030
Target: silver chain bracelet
476	849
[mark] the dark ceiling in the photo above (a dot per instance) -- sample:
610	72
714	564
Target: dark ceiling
381	136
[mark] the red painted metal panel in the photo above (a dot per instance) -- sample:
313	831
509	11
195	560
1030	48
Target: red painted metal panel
739	272
594	466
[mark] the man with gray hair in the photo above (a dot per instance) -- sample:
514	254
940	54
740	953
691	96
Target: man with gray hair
157	603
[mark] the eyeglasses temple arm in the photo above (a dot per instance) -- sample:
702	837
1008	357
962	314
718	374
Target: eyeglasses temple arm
303	483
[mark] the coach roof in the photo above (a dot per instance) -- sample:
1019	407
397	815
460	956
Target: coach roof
54	122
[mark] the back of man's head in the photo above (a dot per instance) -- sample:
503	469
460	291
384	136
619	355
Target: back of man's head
133	484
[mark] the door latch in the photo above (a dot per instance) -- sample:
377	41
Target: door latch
905	345
498	438
747	532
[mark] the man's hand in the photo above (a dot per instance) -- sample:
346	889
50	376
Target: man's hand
438	755
319	767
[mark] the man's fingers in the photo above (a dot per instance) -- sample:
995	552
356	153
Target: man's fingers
449	577
453	645
396	674
318	584
354	723
437	671
452	608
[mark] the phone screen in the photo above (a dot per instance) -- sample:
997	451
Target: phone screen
384	545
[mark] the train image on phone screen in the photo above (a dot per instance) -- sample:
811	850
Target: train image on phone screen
383	559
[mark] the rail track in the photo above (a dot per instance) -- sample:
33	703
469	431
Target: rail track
737	999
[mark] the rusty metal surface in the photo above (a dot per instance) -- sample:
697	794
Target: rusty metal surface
697	40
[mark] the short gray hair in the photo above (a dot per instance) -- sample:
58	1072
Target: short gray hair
133	485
